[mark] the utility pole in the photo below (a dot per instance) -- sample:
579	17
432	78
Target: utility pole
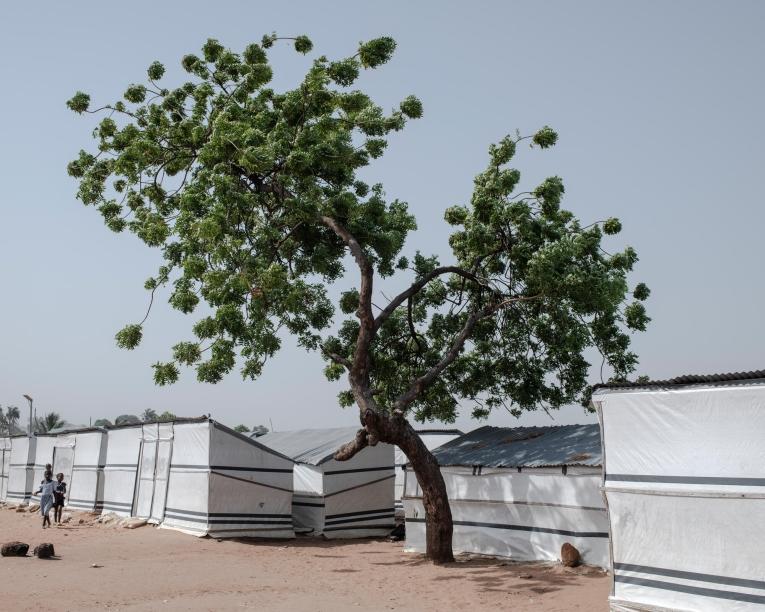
29	399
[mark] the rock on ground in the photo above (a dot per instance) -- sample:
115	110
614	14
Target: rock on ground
569	555
14	549
33	507
44	550
132	522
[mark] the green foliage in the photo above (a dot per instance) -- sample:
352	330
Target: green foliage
129	336
166	416
242	188
149	415
242	428
102	423
48	422
127	419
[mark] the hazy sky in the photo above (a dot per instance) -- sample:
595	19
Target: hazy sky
659	107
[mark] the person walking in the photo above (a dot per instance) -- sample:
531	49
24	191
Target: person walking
59	494
46	490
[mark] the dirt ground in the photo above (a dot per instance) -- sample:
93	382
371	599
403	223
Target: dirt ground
159	569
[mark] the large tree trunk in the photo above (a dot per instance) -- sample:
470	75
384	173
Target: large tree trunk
438	516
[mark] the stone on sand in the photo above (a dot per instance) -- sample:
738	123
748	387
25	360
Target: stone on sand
14	549
44	551
569	555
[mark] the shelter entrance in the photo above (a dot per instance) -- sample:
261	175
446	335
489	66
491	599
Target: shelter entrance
153	475
63	462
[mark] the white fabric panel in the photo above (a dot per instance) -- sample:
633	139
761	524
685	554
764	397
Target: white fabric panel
43	455
713	543
145	487
191	444
187	500
526	516
670	432
308	512
21	469
504	530
87	477
366	511
372	463
431	441
5	466
262	465
121	469
161	477
150	432
308	479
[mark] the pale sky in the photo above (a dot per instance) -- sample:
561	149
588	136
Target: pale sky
659	107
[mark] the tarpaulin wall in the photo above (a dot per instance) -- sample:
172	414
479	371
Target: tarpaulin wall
123	450
5	466
685	487
227	485
431	441
21	469
85	485
526	516
358	494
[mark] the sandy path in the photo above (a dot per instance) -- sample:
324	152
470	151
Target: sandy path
158	569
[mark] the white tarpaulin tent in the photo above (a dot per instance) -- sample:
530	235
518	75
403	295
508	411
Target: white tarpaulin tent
520	493
432	438
349	499
685	489
5	466
21	469
200	477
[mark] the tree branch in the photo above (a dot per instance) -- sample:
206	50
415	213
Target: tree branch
423	382
418	285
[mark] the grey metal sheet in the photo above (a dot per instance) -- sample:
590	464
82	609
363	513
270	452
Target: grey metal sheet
311	446
509	447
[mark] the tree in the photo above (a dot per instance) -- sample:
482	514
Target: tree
127	419
166	416
254	199
242	428
102	423
48	422
149	415
12	416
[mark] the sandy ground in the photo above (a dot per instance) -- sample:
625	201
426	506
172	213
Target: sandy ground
159	569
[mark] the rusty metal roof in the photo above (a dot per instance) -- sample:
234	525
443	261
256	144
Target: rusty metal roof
512	447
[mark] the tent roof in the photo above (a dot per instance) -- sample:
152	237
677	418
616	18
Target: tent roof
440	432
689	379
311	446
509	447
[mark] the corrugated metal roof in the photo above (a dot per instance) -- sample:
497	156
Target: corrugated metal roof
440	432
511	447
688	379
311	446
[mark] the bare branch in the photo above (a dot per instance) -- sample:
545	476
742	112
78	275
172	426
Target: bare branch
418	285
359	443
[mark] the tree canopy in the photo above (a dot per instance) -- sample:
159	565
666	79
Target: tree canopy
253	197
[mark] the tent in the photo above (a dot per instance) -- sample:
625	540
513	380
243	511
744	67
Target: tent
685	491
519	492
432	438
5	466
200	477
21	469
348	499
